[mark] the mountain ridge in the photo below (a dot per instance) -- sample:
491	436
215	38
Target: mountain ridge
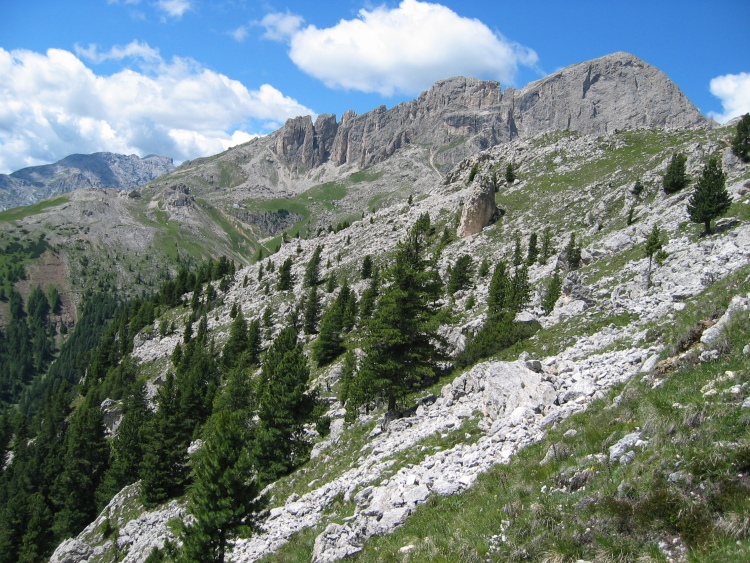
103	170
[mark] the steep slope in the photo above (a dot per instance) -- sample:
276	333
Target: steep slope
99	170
606	328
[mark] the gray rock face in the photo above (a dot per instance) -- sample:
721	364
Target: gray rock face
618	91
479	210
99	170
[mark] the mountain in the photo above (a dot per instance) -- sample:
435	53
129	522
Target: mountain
603	418
103	170
310	176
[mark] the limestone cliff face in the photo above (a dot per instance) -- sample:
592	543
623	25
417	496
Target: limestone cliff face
618	91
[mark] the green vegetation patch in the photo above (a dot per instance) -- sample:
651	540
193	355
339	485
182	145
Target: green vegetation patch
22	212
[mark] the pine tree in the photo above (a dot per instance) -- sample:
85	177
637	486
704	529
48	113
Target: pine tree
547	246
498	299
517	252
286	280
741	141
163	470
461	273
330	342
400	341
223	494
366	267
676	177
710	198
552	292
126	448
510	173
572	253
84	466
533	251
312	312
284	407
653	246
370	295
237	343
312	271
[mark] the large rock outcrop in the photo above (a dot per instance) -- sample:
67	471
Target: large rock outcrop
480	208
618	91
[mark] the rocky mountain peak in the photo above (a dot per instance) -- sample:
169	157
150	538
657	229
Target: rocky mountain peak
103	170
617	91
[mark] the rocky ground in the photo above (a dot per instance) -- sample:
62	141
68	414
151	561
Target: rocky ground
604	323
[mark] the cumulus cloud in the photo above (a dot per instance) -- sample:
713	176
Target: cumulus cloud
401	50
52	105
734	92
174	8
281	26
134	49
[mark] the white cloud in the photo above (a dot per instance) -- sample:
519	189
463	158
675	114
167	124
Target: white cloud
734	92
134	49
239	34
52	105
281	26
174	8
404	49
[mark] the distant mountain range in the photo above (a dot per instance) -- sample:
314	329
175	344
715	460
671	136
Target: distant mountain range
99	170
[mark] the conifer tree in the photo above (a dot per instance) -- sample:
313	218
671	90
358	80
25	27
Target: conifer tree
498	299
676	177
572	253
222	496
330	342
547	247
312	312
460	275
741	141
283	409
84	466
533	251
370	295
366	267
510	173
312	271
517	252
400	341
163	470
710	198
653	246
126	448
552	292
286	280
237	343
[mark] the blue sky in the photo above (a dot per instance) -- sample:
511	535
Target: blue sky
188	78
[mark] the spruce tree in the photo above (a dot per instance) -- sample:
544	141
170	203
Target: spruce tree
510	173
460	275
312	312
572	253
312	271
676	177
330	342
552	292
653	246
547	246
533	251
223	495
237	343
498	299
84	466
286	280
284	407
400	339
163	470
366	267
741	141
710	198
